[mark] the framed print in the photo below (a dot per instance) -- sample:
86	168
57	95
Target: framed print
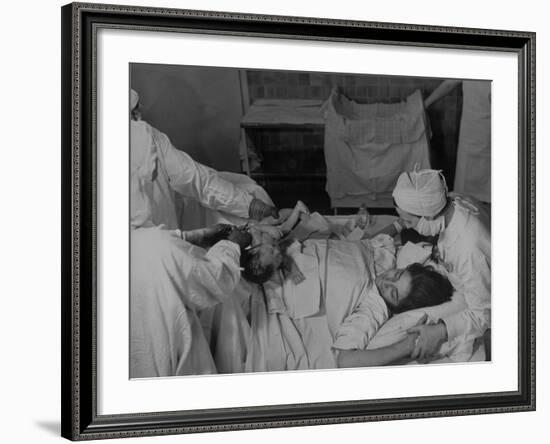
279	221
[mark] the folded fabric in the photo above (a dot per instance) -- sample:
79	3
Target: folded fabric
303	299
411	253
367	146
311	225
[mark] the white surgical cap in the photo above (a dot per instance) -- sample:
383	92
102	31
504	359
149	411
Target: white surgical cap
134	99
421	192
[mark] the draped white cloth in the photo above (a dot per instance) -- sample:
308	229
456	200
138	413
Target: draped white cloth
367	146
473	163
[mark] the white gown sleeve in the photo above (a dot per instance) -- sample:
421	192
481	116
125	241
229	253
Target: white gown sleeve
192	179
361	325
475	273
215	276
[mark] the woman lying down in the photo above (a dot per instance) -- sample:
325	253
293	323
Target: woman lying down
325	299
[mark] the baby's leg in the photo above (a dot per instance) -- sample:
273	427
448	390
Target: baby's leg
294	217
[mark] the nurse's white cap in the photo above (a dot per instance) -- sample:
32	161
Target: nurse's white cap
421	192
134	99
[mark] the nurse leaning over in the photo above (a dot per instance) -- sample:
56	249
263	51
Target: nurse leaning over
464	247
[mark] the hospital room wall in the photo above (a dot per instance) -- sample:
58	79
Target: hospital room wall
199	108
444	115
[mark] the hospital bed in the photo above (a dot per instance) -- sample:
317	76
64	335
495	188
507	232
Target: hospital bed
247	346
231	340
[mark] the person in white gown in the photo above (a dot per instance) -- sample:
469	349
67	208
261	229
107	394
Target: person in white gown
172	279
158	171
463	246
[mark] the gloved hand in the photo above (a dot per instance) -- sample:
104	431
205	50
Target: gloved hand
206	237
217	232
258	210
240	237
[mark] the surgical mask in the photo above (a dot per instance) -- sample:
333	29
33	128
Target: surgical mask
427	227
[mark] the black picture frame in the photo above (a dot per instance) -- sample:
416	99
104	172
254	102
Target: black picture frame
80	22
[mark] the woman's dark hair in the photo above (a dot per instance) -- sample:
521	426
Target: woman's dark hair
253	270
428	288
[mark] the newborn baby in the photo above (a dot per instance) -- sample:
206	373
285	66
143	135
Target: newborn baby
270	239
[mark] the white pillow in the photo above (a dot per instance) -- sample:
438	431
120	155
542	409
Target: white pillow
411	253
395	329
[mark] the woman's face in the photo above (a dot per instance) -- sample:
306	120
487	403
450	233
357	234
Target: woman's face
394	285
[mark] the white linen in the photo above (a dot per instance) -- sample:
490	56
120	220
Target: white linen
473	162
367	146
227	329
411	253
287	334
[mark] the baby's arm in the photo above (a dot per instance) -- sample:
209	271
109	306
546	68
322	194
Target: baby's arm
278	231
273	231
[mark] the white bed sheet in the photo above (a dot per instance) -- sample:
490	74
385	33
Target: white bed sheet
396	327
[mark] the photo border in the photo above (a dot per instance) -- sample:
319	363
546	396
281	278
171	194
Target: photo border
80	23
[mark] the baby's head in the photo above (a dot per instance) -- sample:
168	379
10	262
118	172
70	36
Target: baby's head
260	261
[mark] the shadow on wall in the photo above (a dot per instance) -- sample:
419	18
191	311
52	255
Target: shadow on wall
199	108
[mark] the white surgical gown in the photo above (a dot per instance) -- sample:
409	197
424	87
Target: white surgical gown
171	280
158	170
465	249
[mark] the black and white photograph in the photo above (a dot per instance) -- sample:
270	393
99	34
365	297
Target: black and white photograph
275	222
299	221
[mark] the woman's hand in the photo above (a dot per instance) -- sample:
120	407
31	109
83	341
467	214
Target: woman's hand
430	338
412	336
409	343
